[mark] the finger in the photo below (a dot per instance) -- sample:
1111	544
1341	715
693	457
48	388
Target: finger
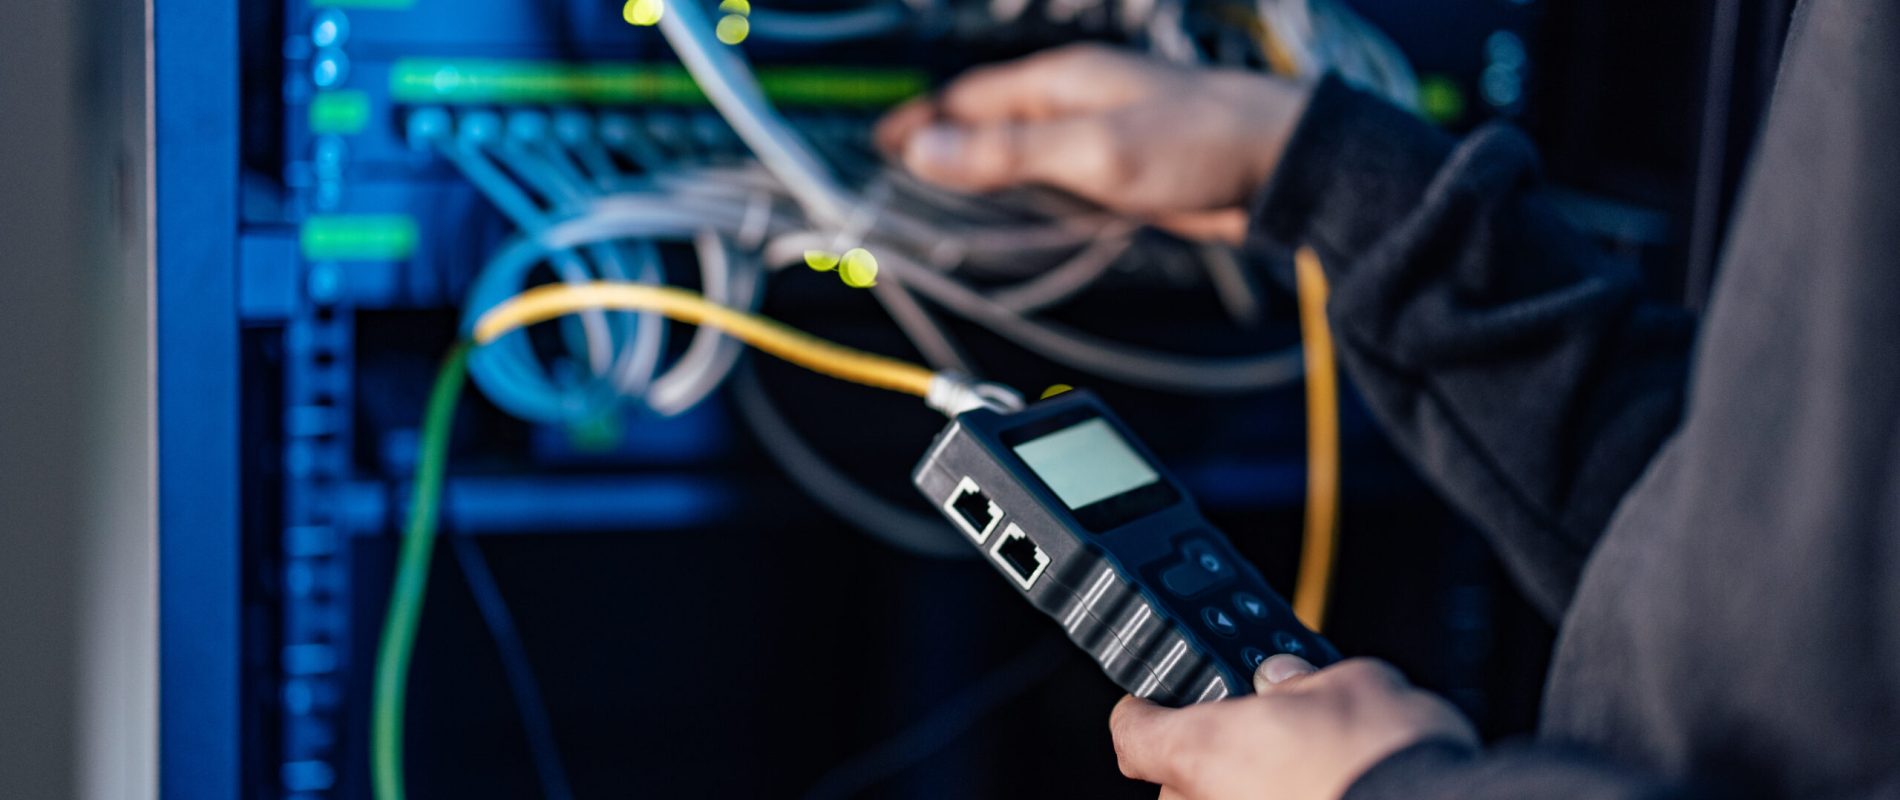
1226	226
901	123
1051	83
1074	154
1280	669
1365	673
1354	675
1143	733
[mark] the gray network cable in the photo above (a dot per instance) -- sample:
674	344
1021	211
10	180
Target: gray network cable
637	363
1322	35
466	154
565	189
729	85
728	280
875	19
940	351
630	216
789	201
595	208
1067	279
1127	363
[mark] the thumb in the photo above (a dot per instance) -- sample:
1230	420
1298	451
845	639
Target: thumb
1278	670
1066	153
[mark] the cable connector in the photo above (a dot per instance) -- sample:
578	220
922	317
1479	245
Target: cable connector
953	393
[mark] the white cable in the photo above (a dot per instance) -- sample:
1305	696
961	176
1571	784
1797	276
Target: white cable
1126	363
710	356
567	189
729	85
466	154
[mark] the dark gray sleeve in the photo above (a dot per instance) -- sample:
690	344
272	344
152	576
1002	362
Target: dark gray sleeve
1437	770
1514	364
1442	771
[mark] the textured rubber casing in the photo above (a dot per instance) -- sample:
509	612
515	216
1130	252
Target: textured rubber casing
1160	600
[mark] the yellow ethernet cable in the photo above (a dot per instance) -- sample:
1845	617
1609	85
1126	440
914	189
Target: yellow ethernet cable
845	363
1313	587
1320	538
397	644
553	301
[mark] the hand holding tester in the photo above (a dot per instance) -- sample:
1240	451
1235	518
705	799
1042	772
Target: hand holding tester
1081	519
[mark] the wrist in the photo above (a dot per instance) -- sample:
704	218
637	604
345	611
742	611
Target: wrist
1270	109
1351	166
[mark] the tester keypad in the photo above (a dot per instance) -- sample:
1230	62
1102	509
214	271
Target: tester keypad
1085	523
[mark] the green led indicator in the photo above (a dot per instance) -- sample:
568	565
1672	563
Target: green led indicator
1440	99
821	260
379	237
644	13
732	29
858	268
483	81
344	112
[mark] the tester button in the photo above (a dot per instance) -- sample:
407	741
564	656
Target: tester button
1250	606
1203	555
1252	657
1188	579
1218	621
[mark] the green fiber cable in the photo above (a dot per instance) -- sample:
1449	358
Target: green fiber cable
412	578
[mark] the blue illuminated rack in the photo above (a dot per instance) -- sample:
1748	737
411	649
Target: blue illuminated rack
258	636
195	44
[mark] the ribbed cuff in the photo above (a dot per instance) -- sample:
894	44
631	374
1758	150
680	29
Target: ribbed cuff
1354	166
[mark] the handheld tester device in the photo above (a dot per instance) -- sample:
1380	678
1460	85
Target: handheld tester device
1079	517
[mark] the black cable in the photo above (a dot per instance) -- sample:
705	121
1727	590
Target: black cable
950	719
514	661
905	530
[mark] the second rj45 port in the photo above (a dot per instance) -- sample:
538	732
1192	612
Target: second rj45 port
973	510
1020	556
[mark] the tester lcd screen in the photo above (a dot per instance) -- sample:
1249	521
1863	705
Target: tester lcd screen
1094	471
1086	463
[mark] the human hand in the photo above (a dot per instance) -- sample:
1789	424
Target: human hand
1305	735
1182	147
